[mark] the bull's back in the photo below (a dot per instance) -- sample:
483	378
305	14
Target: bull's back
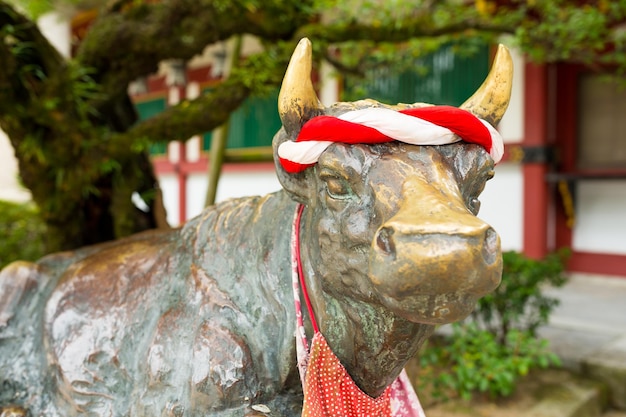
99	320
162	320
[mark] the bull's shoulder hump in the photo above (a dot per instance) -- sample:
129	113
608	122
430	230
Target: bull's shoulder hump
244	220
120	274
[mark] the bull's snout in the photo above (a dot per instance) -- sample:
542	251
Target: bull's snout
433	260
483	235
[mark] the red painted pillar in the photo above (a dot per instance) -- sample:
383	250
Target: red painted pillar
536	190
182	183
566	112
178	92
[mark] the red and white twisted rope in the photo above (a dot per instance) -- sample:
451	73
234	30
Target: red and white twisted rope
432	125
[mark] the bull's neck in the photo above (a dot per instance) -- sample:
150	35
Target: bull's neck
372	343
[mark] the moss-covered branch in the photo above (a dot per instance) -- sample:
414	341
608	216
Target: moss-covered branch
189	117
26	55
259	73
414	28
83	195
130	40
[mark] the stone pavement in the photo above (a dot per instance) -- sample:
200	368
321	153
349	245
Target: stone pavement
588	330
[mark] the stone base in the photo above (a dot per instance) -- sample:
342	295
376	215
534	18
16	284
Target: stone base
608	365
570	398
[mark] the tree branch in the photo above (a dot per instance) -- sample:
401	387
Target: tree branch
188	118
259	73
25	30
26	55
401	32
129	40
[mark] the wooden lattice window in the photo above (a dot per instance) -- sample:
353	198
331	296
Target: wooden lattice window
601	123
443	77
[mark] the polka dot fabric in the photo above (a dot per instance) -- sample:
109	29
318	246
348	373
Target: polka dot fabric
329	391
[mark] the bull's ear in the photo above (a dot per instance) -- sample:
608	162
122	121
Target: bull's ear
299	185
297	103
491	99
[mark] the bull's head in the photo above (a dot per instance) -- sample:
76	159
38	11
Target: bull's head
394	225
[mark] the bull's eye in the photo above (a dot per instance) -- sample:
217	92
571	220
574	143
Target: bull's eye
338	188
474	205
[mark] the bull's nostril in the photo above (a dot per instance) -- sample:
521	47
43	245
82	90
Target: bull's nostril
490	246
384	240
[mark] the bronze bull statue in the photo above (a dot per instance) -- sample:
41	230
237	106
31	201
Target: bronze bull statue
200	320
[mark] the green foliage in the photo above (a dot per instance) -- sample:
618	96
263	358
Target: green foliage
566	30
37	8
473	360
83	89
518	303
21	233
491	351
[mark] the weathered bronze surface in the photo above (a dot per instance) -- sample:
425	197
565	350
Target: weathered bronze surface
200	320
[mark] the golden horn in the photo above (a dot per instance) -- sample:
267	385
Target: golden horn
297	100
491	99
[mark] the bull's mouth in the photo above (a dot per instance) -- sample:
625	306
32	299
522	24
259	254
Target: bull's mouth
435	298
432	309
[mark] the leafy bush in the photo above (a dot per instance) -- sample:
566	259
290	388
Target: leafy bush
518	303
21	233
473	360
490	351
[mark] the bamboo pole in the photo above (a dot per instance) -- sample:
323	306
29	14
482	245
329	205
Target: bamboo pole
219	139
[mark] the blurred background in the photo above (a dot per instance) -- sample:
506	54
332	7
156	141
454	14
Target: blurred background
124	115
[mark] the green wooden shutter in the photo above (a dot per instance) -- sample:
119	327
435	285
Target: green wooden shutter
206	141
147	109
449	78
255	123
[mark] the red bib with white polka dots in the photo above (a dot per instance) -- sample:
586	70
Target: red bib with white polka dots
330	391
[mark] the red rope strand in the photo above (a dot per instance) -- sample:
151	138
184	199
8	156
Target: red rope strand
307	300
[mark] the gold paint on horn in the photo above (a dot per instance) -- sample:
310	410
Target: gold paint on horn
491	99
297	100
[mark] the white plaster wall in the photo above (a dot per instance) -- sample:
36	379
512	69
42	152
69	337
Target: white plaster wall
600	217
169	189
56	27
10	188
502	205
196	194
329	85
512	125
232	185
240	184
